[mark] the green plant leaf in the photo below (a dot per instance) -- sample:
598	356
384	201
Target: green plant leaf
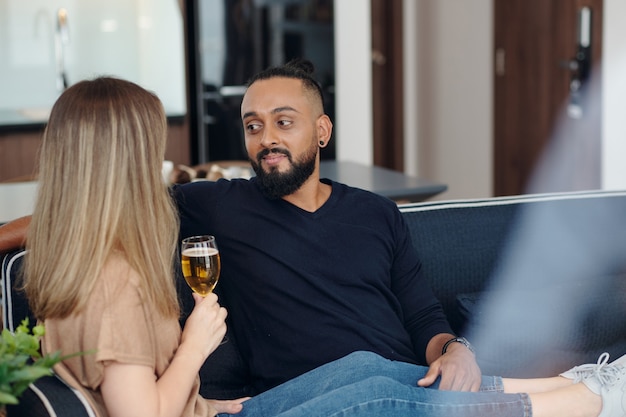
6	398
21	362
30	374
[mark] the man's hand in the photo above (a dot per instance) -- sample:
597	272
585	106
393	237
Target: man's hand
457	368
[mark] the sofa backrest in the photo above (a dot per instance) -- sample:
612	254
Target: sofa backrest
14	305
461	243
458	244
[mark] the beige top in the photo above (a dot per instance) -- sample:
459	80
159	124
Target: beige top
119	327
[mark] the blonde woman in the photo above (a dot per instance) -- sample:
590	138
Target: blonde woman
100	246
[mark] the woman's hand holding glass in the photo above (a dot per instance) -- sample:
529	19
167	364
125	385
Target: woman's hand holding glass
205	327
201	265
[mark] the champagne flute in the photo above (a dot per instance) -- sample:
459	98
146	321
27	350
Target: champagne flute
201	265
200	261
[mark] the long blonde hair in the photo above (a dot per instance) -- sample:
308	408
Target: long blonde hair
101	190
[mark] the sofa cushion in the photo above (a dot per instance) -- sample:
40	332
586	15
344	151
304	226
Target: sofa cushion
598	328
597	324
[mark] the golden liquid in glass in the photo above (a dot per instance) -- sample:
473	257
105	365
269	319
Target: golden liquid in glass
201	269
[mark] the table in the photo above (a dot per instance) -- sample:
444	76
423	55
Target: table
386	182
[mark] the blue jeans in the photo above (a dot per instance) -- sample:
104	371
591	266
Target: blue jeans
364	384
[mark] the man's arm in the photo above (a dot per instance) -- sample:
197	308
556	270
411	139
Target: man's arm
426	322
13	234
457	366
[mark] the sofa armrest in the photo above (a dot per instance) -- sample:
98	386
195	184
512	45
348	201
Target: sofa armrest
14	304
49	396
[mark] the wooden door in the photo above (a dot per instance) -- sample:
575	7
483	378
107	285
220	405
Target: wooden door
387	84
537	106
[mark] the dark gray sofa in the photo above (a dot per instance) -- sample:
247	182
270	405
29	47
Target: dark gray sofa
537	282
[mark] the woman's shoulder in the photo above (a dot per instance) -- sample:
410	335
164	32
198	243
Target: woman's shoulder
117	275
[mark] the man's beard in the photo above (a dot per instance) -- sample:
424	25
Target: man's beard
275	184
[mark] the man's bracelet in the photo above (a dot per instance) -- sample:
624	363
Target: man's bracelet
461	340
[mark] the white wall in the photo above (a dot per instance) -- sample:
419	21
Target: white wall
614	92
411	83
452	63
353	75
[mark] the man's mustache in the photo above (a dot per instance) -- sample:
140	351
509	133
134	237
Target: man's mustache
262	154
